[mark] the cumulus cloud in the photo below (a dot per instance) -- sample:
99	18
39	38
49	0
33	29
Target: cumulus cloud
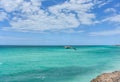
28	15
10	5
3	16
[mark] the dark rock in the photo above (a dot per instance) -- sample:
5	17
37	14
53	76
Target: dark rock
67	47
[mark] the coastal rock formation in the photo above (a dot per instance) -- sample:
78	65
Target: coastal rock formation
108	77
67	47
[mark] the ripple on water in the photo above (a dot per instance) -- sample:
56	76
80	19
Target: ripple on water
55	74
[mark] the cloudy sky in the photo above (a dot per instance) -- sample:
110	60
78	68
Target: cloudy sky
59	22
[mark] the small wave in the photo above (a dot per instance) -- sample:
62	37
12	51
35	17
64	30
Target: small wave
41	77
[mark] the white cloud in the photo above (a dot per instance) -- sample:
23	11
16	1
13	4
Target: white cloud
67	15
109	10
37	22
3	16
106	33
10	5
101	3
115	18
68	31
28	15
79	7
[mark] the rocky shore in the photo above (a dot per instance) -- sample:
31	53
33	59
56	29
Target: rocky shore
108	77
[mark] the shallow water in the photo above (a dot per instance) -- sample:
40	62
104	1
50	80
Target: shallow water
56	64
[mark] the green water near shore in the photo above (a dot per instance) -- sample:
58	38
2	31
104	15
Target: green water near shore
56	64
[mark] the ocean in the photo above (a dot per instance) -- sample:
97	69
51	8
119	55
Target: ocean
56	64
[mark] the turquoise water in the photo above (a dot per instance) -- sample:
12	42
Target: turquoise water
56	64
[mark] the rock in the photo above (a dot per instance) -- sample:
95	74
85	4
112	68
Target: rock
67	47
108	77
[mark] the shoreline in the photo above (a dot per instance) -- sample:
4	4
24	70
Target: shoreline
108	77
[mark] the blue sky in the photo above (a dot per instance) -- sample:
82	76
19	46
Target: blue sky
59	22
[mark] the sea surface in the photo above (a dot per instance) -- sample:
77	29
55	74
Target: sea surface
56	64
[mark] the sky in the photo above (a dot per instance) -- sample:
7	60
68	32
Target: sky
59	22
